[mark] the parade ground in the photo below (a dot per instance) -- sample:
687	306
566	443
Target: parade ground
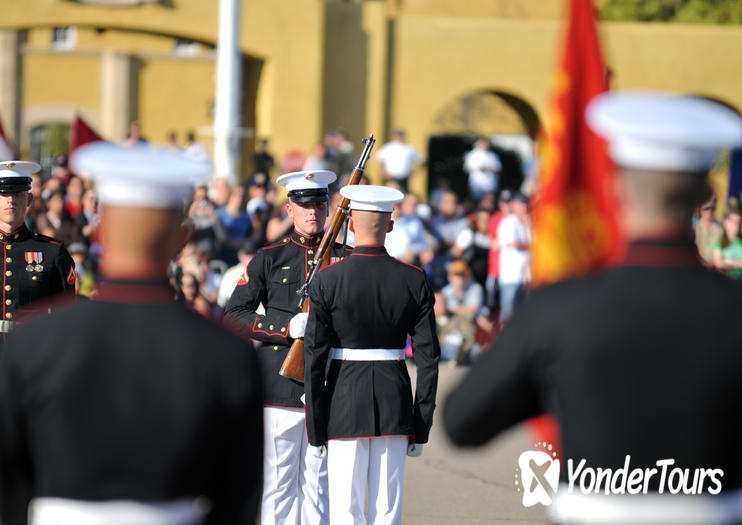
447	485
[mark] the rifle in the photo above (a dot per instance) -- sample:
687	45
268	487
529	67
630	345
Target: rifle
293	365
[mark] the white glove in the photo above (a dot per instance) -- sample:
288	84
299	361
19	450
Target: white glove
318	452
298	325
415	450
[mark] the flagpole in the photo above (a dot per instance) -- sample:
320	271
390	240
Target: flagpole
227	110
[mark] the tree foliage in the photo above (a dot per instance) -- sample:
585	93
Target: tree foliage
682	11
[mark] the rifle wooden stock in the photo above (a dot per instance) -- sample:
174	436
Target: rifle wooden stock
293	364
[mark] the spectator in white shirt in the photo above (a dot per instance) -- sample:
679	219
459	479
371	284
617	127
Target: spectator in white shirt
483	166
406	218
398	160
514	240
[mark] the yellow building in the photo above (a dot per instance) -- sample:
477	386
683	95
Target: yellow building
444	70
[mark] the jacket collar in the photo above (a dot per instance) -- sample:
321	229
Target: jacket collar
369	250
135	292
679	251
16	235
306	241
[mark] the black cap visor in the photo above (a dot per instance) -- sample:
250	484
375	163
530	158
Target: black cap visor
309	195
15	184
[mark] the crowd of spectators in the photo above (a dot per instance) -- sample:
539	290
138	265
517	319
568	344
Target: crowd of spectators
475	251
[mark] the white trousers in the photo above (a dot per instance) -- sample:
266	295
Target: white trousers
354	465
294	480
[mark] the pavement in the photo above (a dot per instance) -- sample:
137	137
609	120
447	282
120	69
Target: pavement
448	485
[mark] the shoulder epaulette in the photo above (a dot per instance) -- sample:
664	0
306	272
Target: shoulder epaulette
44	238
282	242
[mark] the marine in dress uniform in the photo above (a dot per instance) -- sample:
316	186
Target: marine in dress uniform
295	477
361	311
130	408
642	359
34	266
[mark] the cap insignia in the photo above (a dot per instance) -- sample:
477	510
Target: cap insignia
309	176
10	165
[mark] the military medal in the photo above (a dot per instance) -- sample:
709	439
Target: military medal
34	257
29	260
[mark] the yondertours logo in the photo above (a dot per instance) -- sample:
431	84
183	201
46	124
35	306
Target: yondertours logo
538	472
537	475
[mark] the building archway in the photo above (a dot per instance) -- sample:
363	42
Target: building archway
509	122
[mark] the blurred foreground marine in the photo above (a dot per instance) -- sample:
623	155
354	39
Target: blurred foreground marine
295	476
361	407
147	413
34	266
641	363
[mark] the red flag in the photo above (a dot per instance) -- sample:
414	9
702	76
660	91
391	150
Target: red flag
575	212
81	133
7	148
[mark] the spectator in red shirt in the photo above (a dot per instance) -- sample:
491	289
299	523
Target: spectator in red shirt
73	200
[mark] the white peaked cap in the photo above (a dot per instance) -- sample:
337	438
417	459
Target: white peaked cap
15	175
371	198
140	176
306	180
655	130
18	168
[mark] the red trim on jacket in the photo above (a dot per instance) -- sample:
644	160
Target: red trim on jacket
5	269
333	264
410	265
255	329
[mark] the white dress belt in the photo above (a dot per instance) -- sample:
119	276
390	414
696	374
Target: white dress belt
368	354
647	509
61	511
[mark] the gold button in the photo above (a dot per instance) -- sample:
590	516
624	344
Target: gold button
16	236
34	278
9	315
270	327
8	288
8	302
284	280
8	246
275	348
286	239
8	260
283	329
260	325
310	252
8	273
301	239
